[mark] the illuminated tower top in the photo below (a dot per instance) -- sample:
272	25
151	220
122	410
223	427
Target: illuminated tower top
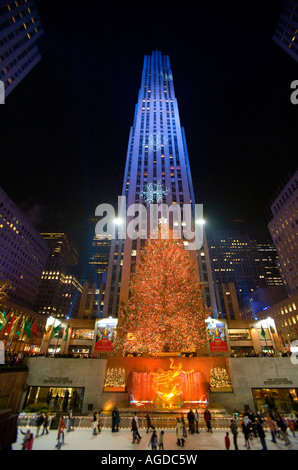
157	171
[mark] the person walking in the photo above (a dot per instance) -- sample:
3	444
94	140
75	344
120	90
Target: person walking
117	420
191	421
179	433
46	424
291	424
29	442
160	442
149	424
135	419
135	432
99	421
39	421
261	434
272	426
246	429
69	421
61	428
207	418
197	422
94	424
227	441
153	441
114	418
27	437
283	428
234	431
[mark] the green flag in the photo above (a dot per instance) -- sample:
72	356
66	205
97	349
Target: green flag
3	319
66	333
272	330
263	333
56	330
28	329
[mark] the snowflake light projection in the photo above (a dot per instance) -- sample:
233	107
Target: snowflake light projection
154	192
155	142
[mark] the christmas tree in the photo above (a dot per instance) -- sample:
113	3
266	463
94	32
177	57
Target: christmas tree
165	310
219	378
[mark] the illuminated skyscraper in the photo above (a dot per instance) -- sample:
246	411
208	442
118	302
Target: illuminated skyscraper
286	32
157	172
20	28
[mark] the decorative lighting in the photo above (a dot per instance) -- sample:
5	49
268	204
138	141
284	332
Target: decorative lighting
154	192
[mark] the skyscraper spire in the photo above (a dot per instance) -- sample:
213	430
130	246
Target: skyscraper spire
157	172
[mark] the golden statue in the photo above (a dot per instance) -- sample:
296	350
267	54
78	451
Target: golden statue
168	387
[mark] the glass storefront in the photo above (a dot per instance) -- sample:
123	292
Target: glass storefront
284	399
60	399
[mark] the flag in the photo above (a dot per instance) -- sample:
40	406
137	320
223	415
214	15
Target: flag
272	330
34	328
56	330
3	319
28	329
22	327
66	333
10	324
263	333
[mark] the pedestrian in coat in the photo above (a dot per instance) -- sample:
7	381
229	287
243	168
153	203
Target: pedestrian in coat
160	442
46	424
207	418
272	426
283	428
149	424
197	421
27	437
135	432
39	421
261	434
246	429
179	433
227	441
94	424
191	421
135	419
153	441
29	442
234	431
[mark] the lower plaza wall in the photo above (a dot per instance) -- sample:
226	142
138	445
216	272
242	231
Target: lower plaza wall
251	378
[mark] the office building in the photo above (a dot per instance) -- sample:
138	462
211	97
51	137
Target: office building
60	290
23	253
20	29
235	259
157	172
283	229
286	32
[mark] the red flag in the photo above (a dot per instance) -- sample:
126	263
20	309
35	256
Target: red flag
10	325
34	329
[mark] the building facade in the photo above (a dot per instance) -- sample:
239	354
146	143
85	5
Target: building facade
23	253
286	32
59	291
20	29
283	229
157	172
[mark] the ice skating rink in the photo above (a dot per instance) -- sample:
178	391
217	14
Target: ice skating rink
82	439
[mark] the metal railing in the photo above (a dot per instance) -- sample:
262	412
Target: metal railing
164	422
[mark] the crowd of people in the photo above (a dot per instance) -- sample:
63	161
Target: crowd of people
252	426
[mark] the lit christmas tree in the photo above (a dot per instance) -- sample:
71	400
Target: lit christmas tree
165	311
219	378
115	378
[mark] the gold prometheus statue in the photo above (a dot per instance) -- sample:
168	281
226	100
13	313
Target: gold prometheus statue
168	386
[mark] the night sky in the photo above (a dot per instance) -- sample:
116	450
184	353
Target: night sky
65	128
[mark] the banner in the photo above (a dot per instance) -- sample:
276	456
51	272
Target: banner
218	341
